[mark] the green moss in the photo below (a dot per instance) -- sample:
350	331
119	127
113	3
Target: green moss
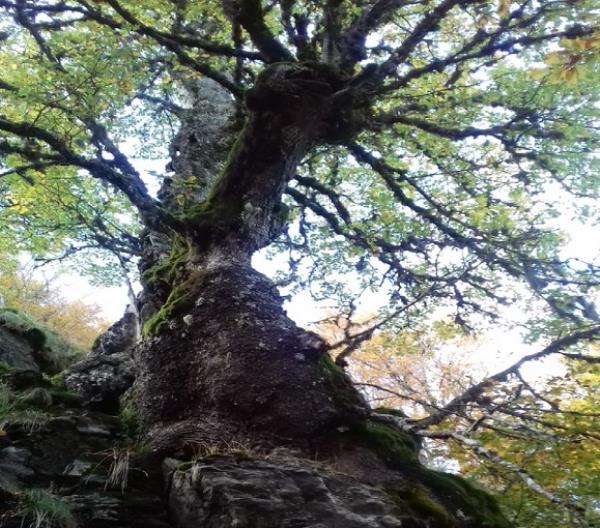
180	298
412	498
66	398
131	421
339	386
5	368
57	381
223	206
165	271
445	500
396	447
36	338
212	218
459	494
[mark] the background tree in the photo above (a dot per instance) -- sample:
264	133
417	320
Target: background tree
78	322
533	439
427	147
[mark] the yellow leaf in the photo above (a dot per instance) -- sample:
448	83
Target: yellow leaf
504	7
555	57
572	75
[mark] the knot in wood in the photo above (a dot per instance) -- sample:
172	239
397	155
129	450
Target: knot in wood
306	95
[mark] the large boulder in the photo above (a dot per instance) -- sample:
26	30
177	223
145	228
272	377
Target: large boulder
109	369
27	345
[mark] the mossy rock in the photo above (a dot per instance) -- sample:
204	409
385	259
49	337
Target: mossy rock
30	345
397	448
445	501
66	398
342	392
413	498
463	498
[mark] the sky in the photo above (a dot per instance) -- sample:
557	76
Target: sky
498	347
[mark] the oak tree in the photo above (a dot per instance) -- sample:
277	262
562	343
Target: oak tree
433	147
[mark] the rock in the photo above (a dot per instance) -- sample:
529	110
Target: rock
22	379
77	468
76	454
101	380
29	346
14	470
109	370
106	510
120	337
17	352
71	457
283	492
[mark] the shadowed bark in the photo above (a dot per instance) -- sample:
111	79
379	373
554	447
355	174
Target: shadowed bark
219	348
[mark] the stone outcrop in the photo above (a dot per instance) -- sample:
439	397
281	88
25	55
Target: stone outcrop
284	491
108	371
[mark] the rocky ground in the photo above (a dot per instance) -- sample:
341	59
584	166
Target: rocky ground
71	455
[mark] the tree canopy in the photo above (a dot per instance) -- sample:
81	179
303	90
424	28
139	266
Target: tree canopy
470	137
531	435
438	151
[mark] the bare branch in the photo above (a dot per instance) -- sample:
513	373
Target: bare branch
474	392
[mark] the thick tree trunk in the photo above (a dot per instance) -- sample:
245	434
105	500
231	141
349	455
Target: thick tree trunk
228	364
221	360
221	364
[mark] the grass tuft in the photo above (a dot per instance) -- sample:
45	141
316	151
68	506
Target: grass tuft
45	510
14	411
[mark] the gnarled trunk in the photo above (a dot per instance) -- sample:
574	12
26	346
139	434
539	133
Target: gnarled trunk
221	358
221	364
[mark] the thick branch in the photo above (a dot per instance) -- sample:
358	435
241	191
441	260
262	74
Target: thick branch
249	14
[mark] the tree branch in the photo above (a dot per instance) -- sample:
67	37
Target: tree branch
493	457
474	392
249	14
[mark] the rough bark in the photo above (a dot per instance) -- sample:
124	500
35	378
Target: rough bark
220	363
218	343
